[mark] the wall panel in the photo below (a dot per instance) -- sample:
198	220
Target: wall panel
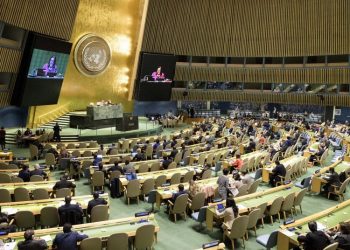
248	27
268	75
51	17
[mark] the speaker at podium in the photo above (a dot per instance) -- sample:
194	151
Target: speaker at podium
127	122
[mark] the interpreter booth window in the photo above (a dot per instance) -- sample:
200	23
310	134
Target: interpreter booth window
316	60
196	85
267	87
235	62
273	61
180	84
183	59
217	61
252	86
257	61
338	60
11	36
294	60
200	60
344	89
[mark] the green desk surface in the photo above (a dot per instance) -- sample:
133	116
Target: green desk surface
330	220
98	229
36	205
268	197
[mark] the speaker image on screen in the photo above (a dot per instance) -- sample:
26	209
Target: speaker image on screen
42	71
155	77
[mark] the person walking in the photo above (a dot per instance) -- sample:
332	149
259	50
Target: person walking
56	132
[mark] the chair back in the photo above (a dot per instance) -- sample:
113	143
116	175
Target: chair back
115	174
299	197
70	146
333	246
91	244
25	219
21	194
12	166
198	201
172	165
147	186
288	202
202	214
133	188
5	195
82	145
242	190
155	166
253	218
177	158
5	178
152	196
63	192
36	178
118	241
98	179
76	153
143	168
272	241
149	151
188	176
254	186
49	217
16	179
160	180
206	174
180	204
239	227
258	174
50	159
175	179
144	237
307	182
87	153
201	159
275	206
344	185
99	213
34	151
40	194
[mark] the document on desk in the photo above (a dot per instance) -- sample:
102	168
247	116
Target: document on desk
10	211
321	226
9	246
46	238
240	206
288	233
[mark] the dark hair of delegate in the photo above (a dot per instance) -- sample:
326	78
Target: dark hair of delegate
231	203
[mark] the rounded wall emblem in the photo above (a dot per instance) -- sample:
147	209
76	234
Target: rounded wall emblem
92	55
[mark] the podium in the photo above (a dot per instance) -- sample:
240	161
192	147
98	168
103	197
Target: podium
128	122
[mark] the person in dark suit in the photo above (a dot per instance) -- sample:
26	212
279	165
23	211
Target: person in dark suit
24	174
56	132
116	167
173	152
65	211
139	155
68	239
314	240
38	171
332	180
251	147
30	243
342	235
96	201
63	183
166	162
180	192
278	171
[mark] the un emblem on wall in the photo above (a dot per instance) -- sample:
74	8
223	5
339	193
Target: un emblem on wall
92	55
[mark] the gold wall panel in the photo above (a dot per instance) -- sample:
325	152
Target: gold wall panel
264	75
246	28
50	17
261	97
10	60
118	23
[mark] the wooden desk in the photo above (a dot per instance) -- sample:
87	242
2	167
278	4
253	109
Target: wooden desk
245	157
102	229
168	173
318	181
15	172
6	156
35	206
267	170
328	218
311	150
165	193
48	185
221	246
250	201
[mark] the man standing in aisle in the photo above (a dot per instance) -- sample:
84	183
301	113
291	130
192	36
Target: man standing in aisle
2	138
56	132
